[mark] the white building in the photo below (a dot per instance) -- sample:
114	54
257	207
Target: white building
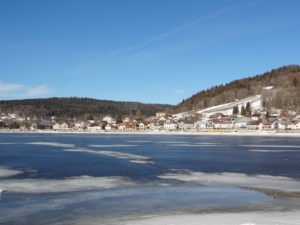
79	125
108	126
94	128
160	114
295	125
108	119
142	126
64	126
56	126
169	125
185	126
223	125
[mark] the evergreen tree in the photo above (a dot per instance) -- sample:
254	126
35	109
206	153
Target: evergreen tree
235	110
248	109
243	111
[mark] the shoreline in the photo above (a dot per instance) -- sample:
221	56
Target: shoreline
264	133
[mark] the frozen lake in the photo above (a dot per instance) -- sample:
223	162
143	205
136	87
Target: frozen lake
109	178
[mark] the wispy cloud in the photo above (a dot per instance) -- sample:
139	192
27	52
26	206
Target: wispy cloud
8	90
37	91
161	36
179	92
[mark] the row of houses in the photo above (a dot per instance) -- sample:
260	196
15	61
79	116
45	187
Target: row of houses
255	122
163	121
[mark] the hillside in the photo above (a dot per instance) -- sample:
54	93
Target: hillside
284	94
65	108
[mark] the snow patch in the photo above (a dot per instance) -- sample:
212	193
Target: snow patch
265	150
268	87
7	172
226	109
272	146
62	185
119	155
110	146
235	179
193	145
52	144
244	218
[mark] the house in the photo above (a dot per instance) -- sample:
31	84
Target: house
151	126
185	126
79	125
282	125
53	119
108	119
294	125
33	126
121	126
201	124
253	125
155	126
64	126
131	126
95	127
108	126
56	126
241	122
170	125
142	126
265	126
44	125
223	125
255	116
162	118
126	120
160	114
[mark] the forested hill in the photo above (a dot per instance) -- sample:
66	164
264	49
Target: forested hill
285	93
77	107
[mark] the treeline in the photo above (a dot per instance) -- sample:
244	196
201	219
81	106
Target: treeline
284	95
68	108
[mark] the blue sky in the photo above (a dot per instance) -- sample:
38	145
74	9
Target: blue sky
158	51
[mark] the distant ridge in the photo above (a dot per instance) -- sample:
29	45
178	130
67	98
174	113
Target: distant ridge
284	94
67	108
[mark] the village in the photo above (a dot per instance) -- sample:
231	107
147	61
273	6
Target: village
254	120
